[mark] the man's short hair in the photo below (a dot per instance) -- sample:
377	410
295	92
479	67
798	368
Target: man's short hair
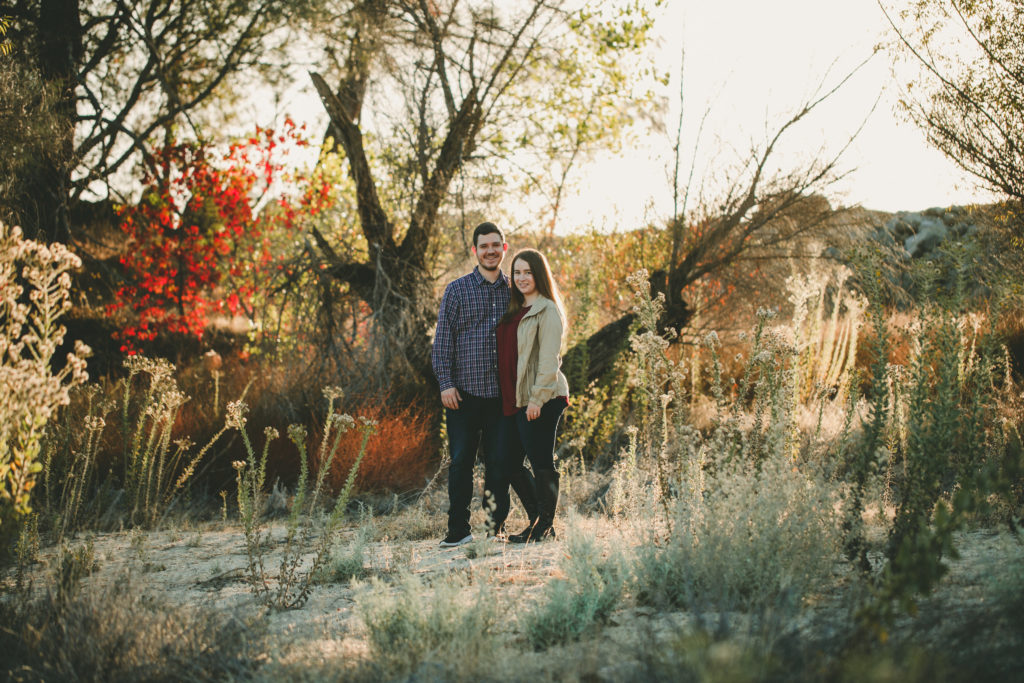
487	228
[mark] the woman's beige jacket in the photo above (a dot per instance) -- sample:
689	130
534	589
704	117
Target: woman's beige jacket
538	377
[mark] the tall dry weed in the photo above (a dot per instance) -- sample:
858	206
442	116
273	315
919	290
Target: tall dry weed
35	289
746	523
308	528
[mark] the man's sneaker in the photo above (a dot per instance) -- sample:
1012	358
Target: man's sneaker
454	541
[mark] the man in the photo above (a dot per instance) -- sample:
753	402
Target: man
465	361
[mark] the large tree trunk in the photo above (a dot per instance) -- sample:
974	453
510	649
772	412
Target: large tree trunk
60	49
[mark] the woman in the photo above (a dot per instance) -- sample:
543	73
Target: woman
533	389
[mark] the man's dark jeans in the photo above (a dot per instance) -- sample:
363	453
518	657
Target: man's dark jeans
475	425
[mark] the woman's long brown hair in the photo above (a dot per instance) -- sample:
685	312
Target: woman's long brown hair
542	279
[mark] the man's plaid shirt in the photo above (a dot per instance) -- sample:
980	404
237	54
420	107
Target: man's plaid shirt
465	352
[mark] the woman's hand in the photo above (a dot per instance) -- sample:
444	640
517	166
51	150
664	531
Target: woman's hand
532	411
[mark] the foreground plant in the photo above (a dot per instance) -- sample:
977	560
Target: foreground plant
118	631
582	600
29	336
747	525
305	526
743	538
938	437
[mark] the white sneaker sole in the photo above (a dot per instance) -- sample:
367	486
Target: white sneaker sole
456	544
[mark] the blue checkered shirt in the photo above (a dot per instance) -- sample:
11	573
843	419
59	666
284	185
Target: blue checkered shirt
465	351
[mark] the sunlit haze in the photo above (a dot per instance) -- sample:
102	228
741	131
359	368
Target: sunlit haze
753	63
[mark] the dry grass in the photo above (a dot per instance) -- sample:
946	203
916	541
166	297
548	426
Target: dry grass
116	630
708	551
174	606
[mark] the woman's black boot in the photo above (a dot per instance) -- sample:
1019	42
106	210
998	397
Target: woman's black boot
526	490
547	499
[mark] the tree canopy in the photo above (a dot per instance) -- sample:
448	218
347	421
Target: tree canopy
124	75
969	95
419	92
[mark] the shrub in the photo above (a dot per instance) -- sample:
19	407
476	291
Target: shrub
742	539
198	245
398	455
118	632
133	434
586	596
936	427
414	626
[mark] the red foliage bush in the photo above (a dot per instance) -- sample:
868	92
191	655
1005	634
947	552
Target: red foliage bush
399	455
199	237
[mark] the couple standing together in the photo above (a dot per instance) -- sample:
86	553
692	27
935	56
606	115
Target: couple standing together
496	356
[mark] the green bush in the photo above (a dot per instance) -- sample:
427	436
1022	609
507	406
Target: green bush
418	627
742	539
939	428
591	589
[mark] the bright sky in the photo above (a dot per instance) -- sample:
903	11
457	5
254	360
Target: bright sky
753	62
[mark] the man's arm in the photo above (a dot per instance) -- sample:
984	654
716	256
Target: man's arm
442	354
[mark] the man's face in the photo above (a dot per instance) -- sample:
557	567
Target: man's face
489	250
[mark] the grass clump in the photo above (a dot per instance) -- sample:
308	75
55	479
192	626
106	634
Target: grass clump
585	598
438	631
117	632
346	562
73	565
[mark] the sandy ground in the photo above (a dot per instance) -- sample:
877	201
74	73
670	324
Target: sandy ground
206	566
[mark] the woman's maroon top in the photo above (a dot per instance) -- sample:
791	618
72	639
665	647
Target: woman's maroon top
508	360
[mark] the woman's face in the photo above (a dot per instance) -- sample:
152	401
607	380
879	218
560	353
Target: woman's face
523	277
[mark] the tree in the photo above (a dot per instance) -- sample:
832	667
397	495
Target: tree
589	99
455	68
6	46
969	95
125	74
758	215
30	131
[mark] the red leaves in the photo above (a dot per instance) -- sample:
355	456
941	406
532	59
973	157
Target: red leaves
196	241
